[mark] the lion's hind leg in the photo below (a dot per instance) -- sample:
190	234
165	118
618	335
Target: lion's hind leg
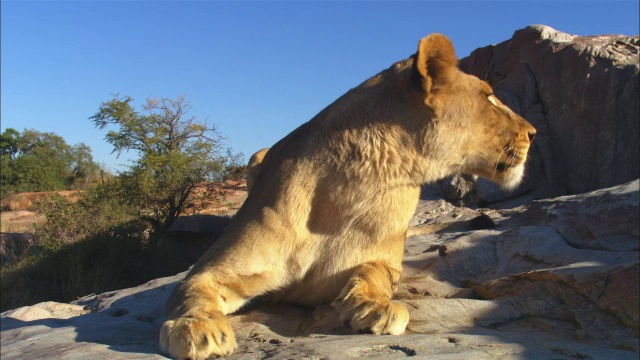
365	302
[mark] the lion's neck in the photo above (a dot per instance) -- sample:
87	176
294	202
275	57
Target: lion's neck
384	140
389	158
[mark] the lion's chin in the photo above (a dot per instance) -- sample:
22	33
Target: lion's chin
512	177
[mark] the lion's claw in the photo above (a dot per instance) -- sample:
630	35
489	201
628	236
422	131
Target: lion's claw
375	317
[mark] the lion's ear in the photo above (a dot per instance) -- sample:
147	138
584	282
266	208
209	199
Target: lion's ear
434	60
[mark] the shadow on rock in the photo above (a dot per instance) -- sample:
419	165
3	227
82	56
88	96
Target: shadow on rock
555	276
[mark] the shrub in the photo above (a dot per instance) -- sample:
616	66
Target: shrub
96	244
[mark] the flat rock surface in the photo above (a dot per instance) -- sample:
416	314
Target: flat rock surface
556	279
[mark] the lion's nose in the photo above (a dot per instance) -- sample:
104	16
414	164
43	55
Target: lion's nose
532	135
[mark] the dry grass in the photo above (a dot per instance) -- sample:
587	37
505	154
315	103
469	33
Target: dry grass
21	221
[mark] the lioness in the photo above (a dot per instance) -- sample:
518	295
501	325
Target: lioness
327	215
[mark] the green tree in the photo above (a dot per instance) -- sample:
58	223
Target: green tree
83	168
39	161
9	141
176	152
43	163
8	151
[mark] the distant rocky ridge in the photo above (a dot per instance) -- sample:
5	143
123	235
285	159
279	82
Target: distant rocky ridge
557	278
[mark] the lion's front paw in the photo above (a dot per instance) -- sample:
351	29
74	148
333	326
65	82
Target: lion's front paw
197	337
376	317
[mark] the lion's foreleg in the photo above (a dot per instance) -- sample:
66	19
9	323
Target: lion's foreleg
196	325
365	302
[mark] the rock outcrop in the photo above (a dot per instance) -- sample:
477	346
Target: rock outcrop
582	93
556	279
29	200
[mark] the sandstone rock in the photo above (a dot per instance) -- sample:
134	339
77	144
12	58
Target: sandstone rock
461	189
582	93
217	198
46	310
29	200
556	279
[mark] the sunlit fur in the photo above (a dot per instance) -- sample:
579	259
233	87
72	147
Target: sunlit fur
253	167
328	211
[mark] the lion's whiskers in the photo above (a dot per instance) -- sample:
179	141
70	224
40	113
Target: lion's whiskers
495	168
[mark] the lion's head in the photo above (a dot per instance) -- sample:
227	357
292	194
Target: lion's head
475	132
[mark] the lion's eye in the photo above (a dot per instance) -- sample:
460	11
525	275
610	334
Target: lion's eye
492	99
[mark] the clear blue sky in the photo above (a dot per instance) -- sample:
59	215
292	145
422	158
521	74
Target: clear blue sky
257	70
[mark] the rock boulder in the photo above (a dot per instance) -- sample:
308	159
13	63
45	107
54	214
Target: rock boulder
556	279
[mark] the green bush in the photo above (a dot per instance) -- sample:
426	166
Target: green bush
39	161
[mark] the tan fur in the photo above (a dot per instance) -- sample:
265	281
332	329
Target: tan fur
479	222
327	215
253	167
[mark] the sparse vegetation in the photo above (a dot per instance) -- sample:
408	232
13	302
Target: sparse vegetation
235	166
94	245
115	235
